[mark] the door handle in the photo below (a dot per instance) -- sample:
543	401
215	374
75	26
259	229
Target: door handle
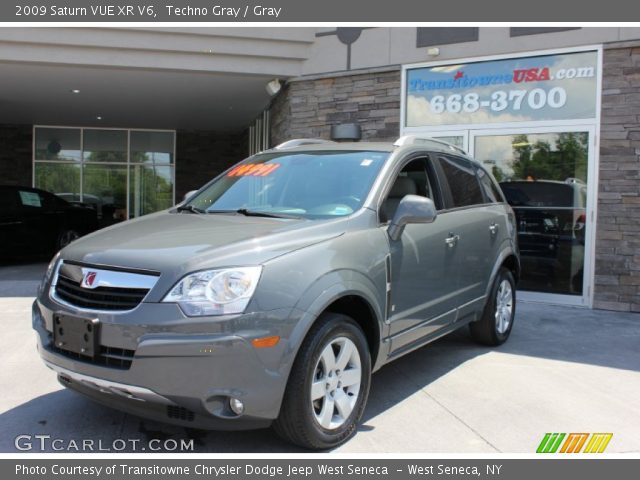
451	240
493	228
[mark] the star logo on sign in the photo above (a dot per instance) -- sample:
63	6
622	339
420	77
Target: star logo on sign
459	74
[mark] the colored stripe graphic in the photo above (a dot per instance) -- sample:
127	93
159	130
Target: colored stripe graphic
550	442
574	443
598	442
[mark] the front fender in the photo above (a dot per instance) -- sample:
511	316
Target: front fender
331	287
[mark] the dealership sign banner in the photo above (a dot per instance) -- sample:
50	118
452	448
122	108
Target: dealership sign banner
320	468
410	11
536	88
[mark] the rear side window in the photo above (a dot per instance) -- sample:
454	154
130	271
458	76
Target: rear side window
491	189
463	183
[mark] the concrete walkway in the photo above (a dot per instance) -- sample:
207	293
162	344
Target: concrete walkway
563	370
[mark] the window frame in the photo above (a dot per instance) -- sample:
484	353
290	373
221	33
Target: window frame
82	162
432	175
493	182
444	181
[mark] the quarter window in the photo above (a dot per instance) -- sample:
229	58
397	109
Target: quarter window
462	180
491	190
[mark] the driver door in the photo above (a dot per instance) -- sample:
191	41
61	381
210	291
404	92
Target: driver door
423	281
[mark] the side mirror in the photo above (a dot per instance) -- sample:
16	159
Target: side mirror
412	209
189	195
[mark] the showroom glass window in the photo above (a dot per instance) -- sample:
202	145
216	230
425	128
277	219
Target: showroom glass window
531	121
120	173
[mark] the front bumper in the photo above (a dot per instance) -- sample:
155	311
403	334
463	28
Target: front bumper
183	370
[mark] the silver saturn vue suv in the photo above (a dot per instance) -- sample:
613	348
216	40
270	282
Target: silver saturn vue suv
271	294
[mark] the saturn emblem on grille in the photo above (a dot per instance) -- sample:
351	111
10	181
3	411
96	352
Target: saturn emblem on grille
88	280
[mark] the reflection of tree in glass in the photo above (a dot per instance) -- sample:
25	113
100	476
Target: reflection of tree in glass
106	156
105	182
154	191
109	182
497	172
58	177
568	158
151	186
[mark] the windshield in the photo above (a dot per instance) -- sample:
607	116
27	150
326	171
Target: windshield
310	185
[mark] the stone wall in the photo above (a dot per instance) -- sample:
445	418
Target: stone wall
617	279
308	108
201	155
15	154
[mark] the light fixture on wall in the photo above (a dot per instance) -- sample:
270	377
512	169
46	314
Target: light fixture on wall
273	87
433	51
98	117
74	90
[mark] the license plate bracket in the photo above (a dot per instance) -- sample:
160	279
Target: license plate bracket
76	334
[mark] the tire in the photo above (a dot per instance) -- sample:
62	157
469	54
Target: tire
326	422
65	237
496	323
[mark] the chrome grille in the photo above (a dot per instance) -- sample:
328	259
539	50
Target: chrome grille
99	289
100	298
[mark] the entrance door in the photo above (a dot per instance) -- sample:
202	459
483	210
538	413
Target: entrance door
547	176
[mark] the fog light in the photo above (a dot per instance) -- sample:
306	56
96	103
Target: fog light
236	406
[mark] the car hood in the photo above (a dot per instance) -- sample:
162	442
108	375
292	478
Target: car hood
183	242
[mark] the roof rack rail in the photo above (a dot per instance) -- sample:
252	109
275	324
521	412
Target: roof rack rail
417	139
297	142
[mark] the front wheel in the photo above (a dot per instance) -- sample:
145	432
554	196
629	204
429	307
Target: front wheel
494	327
328	386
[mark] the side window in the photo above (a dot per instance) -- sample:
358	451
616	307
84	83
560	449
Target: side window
490	187
462	180
413	179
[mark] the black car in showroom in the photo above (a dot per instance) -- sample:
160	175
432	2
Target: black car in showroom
38	223
551	220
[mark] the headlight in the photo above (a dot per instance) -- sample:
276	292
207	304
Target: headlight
50	268
48	272
215	292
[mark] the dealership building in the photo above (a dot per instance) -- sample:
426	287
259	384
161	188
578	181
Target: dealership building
128	120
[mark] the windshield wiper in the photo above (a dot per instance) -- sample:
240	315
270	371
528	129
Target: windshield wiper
255	213
189	208
252	213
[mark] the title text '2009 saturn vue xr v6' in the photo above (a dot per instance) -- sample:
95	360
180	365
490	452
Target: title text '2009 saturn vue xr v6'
272	294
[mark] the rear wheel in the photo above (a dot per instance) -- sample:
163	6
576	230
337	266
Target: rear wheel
328	386
497	319
65	238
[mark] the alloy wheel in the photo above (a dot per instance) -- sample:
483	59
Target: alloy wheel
504	306
336	383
